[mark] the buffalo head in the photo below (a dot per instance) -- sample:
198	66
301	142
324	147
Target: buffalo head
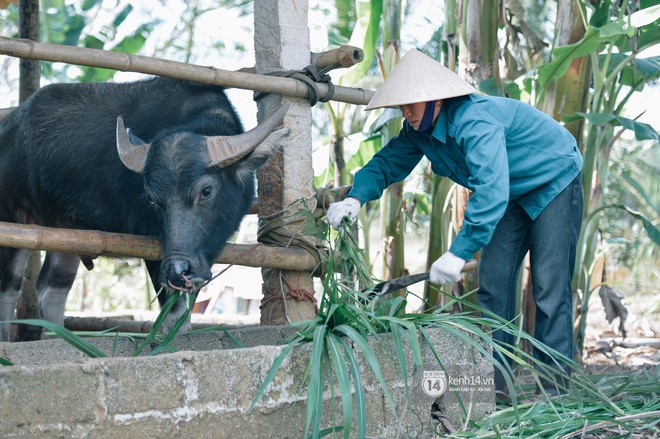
201	187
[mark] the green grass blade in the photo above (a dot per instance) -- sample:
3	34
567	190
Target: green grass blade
165	342
74	340
273	371
5	362
315	386
398	346
410	333
343	379
153	334
360	397
370	357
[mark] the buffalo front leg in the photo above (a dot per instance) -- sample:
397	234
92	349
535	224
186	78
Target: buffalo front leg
55	280
12	265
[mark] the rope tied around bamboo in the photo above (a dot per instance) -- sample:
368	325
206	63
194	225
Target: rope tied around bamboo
310	77
297	225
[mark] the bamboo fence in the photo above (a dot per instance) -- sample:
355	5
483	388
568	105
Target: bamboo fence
96	243
28	49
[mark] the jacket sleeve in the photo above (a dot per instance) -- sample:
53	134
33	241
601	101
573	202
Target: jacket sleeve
486	157
394	162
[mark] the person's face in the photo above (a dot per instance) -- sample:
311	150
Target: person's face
415	111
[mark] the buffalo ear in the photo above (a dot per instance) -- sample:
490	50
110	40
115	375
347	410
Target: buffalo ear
133	154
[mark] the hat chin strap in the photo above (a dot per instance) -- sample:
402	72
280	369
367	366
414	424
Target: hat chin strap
427	118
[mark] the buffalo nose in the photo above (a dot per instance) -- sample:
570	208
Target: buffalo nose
180	267
176	270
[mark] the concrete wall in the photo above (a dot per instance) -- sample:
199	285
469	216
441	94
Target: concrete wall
199	394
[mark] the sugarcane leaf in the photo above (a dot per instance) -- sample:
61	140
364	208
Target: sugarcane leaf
360	397
363	346
643	131
315	385
277	363
68	336
343	379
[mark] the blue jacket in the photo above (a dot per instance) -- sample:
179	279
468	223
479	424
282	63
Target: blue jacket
503	150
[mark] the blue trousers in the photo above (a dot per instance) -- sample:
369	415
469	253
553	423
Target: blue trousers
551	240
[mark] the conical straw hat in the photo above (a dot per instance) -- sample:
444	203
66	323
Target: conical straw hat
418	78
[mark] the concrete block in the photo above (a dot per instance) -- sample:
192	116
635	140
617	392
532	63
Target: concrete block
46	396
208	393
144	384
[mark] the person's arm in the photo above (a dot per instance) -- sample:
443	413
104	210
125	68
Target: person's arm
394	162
486	157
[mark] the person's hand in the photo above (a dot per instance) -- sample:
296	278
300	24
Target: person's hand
348	208
446	269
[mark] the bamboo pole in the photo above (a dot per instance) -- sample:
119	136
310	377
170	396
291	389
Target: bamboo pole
23	48
345	56
97	243
342	57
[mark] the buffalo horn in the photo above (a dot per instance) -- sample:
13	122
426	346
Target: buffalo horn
134	157
225	150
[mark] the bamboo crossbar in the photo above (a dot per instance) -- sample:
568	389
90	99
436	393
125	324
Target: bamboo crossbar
23	48
97	243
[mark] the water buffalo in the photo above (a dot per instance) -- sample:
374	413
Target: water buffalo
184	171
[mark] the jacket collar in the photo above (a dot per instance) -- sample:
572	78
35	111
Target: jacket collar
441	125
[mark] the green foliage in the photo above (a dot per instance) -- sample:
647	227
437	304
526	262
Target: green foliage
365	35
348	320
154	339
628	404
603	33
74	340
643	131
89	25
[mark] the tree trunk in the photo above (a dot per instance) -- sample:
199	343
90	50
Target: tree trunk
30	78
441	226
392	221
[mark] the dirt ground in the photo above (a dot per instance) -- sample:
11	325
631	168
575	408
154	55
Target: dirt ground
606	351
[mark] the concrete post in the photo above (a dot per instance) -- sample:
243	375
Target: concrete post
281	40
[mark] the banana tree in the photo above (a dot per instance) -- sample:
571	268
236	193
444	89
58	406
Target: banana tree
393	222
614	40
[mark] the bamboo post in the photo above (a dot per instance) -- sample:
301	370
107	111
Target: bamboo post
23	48
97	243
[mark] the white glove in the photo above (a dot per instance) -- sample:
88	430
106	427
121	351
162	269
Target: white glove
348	208
446	269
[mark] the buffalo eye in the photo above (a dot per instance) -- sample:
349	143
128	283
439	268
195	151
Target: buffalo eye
206	193
151	201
